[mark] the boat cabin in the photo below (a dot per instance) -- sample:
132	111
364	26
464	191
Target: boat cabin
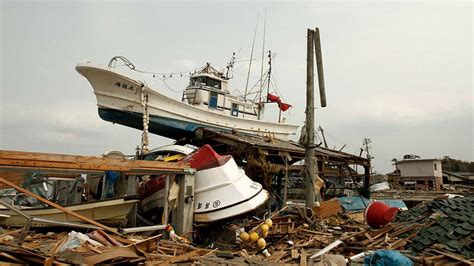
208	89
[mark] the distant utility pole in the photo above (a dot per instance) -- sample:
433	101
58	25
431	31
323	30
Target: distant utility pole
311	168
366	143
366	146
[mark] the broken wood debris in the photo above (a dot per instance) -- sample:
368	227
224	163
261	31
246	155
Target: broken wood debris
292	240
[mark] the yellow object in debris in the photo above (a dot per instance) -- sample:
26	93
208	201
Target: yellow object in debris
269	222
264	228
173	158
261	243
253	237
244	236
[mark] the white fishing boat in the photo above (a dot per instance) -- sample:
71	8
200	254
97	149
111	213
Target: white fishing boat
222	189
112	211
206	102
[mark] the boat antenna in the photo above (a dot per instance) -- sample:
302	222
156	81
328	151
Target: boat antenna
251	58
261	68
263	52
269	70
230	65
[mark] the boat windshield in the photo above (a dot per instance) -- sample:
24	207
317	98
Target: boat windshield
205	81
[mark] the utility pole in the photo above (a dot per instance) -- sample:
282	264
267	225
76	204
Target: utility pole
319	65
366	143
310	165
367	168
311	168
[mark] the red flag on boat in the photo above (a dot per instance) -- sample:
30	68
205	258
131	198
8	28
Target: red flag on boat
284	106
273	98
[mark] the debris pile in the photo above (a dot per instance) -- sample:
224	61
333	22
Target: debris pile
433	233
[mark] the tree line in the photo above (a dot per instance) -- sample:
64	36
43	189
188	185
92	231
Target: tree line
454	165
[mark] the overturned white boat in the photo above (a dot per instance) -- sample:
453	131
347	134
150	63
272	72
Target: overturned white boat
222	190
206	102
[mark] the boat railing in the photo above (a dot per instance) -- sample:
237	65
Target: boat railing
124	60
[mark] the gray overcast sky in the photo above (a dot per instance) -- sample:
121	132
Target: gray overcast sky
399	73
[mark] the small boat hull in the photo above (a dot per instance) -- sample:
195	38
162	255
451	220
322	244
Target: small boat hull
112	211
233	210
222	190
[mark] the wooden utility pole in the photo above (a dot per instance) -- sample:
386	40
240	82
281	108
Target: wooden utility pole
319	65
311	168
310	165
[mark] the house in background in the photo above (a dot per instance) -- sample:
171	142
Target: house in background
420	174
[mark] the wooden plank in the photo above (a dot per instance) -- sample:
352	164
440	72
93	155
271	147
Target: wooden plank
11	176
294	254
111	253
276	256
369	237
453	256
403	230
9	159
432	259
54	205
315	232
402	242
327	208
303	258
184	257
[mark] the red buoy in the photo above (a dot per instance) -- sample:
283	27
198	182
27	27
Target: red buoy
378	214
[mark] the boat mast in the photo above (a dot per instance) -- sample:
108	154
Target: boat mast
230	65
251	59
261	69
269	70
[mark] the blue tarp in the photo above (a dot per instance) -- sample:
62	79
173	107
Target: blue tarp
358	203
353	203
387	258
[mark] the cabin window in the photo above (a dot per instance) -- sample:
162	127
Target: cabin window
234	110
206	81
435	167
213	99
216	84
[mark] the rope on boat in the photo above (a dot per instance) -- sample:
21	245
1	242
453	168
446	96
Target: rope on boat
146	118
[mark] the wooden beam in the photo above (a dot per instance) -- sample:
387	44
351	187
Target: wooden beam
18	159
54	205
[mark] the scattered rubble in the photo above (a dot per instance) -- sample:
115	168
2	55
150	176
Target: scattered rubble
439	232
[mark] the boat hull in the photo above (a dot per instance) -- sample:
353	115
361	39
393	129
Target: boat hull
166	127
119	101
222	190
112	211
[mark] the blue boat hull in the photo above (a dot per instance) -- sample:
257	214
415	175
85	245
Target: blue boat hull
166	127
